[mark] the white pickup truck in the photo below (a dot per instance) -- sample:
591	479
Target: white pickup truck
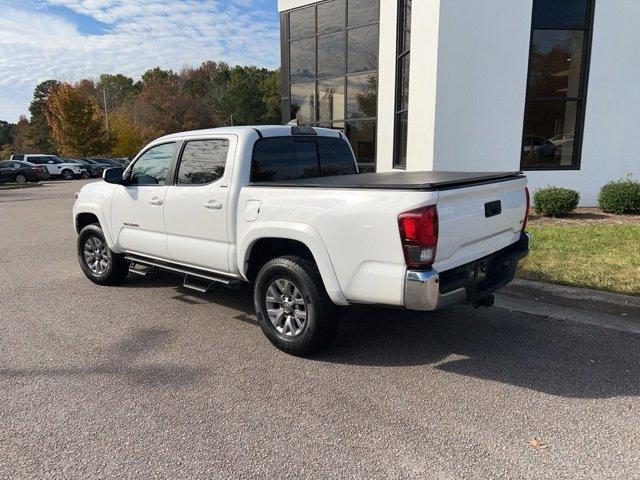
285	209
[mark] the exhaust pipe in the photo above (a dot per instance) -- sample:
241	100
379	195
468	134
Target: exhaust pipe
485	302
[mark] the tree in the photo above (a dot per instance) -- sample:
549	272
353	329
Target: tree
117	88
22	136
40	136
76	122
6	132
6	151
127	137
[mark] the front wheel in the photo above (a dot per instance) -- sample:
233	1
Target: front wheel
67	175
292	306
98	262
21	179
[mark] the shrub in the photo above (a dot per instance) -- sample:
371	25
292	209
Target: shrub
621	196
555	201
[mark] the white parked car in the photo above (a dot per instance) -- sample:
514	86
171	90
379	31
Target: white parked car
54	165
285	209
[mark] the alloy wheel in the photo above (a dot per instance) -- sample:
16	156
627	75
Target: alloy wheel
96	256
21	179
286	307
67	175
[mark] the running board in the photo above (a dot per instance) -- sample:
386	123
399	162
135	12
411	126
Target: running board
190	274
197	284
140	269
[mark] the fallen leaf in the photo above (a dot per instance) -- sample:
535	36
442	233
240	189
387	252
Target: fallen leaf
537	443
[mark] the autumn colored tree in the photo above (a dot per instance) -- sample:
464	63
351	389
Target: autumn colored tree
126	135
22	137
76	122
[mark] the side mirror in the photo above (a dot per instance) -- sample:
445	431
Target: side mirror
113	175
51	162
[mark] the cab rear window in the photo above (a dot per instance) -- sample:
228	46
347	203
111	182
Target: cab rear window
294	158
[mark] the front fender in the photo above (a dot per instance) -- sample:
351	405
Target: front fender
302	233
95	209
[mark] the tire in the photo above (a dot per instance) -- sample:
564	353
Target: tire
21	179
104	267
320	314
67	175
84	175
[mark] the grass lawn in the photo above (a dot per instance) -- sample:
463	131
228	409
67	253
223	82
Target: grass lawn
601	257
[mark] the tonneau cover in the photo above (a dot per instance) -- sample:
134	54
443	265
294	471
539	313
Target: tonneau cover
398	180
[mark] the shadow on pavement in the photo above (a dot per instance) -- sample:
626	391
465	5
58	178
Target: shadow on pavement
531	352
121	361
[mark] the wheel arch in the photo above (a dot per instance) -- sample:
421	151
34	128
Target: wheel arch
263	244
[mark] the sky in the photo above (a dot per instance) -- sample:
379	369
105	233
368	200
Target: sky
69	40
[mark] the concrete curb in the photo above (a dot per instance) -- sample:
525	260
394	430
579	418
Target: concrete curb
580	305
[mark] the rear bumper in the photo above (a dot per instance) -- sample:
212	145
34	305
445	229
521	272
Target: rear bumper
430	290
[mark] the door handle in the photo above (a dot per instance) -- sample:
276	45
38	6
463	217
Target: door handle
213	205
156	201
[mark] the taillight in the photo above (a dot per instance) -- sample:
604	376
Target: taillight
419	236
526	213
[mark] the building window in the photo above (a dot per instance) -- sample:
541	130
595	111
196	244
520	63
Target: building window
330	70
557	84
402	84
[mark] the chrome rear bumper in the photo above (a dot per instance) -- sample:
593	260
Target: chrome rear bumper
422	289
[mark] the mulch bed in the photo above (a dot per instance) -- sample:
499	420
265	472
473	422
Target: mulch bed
585	216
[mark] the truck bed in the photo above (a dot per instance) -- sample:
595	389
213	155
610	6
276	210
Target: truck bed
423	181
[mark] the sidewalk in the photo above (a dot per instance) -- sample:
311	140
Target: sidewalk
603	309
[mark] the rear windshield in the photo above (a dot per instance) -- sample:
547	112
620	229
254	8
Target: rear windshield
294	158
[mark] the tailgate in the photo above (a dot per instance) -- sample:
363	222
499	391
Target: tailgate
477	221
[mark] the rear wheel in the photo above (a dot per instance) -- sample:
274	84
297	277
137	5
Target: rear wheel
98	262
67	175
292	305
20	178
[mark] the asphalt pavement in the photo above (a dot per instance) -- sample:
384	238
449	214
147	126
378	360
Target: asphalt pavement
149	380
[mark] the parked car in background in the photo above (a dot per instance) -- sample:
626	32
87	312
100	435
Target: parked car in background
285	209
106	161
54	165
93	169
21	172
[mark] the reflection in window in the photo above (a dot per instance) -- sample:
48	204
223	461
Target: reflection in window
152	167
332	49
362	136
331	100
303	102
402	85
203	161
556	88
331	16
303	59
363	12
550	133
362	95
302	23
363	49
331	55
556	63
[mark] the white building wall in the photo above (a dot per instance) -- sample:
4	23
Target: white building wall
386	85
482	75
611	146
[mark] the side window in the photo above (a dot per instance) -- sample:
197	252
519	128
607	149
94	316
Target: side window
286	158
152	167
36	160
203	162
18	157
335	157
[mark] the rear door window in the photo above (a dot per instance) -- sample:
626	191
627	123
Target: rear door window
203	161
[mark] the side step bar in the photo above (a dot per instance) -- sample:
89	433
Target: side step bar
199	280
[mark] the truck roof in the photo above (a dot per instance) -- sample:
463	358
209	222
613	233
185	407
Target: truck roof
262	130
